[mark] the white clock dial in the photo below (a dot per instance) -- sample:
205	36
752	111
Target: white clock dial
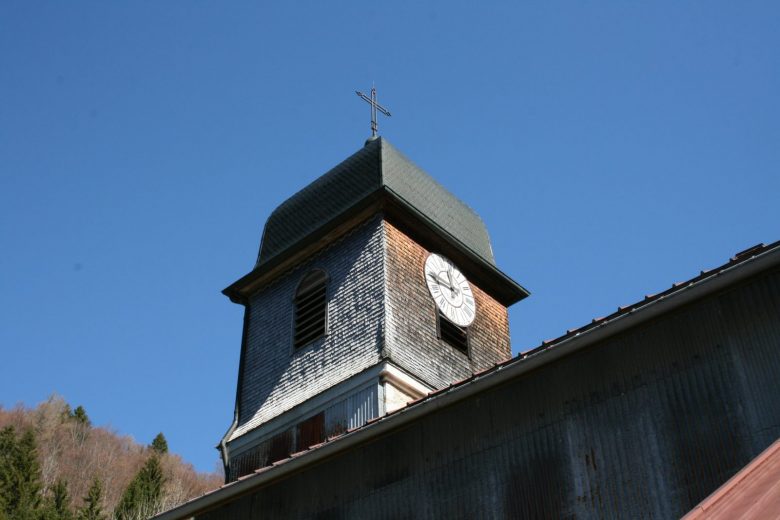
450	290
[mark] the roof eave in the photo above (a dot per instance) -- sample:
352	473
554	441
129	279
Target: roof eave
485	274
241	289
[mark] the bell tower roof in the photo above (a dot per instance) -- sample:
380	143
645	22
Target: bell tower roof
377	167
377	178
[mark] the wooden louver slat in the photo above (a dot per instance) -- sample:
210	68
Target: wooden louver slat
305	303
305	339
454	335
311	322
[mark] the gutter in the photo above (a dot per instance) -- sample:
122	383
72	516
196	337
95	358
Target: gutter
222	446
502	373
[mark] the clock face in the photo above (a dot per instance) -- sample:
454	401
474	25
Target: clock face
450	290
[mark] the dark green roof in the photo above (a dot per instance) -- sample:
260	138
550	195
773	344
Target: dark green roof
377	166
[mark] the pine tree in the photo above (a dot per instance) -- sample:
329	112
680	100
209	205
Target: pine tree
80	415
29	477
58	507
159	444
92	509
20	475
7	452
143	495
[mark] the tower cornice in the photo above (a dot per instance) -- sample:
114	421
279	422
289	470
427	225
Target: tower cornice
399	211
376	179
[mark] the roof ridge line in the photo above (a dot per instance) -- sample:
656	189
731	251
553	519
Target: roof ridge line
382	161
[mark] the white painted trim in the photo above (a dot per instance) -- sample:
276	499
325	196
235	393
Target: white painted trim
403	381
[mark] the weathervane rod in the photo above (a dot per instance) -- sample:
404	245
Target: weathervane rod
374	107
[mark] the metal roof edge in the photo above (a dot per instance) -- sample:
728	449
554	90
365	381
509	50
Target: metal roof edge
766	256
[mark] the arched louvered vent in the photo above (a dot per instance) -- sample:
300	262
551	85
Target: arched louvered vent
311	308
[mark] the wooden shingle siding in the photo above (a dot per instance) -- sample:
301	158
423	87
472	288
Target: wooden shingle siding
411	320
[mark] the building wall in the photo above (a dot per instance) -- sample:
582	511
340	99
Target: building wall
642	425
276	377
411	340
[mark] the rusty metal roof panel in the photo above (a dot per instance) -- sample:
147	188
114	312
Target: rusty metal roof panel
753	493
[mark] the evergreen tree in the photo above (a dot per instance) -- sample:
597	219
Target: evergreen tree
80	415
92	509
29	477
7	451
143	495
58	507
20	475
159	444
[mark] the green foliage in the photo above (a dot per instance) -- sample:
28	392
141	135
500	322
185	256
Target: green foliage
80	415
58	504
143	495
159	444
20	475
93	509
7	451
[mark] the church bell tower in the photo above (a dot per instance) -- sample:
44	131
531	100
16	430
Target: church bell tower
373	286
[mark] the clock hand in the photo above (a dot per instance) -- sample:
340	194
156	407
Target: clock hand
452	287
443	282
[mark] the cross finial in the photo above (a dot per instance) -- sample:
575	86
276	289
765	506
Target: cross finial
374	107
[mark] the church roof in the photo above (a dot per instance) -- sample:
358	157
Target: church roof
375	168
740	267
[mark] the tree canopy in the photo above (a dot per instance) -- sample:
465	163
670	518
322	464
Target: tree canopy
54	465
93	502
142	497
20	475
159	444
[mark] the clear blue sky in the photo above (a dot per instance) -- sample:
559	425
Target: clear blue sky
612	148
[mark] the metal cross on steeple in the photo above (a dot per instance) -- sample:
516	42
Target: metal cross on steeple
374	107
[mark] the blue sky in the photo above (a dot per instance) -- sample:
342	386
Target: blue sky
612	148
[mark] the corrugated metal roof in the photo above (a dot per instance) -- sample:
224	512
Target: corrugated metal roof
377	166
752	493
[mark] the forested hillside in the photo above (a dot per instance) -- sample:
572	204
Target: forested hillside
54	465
